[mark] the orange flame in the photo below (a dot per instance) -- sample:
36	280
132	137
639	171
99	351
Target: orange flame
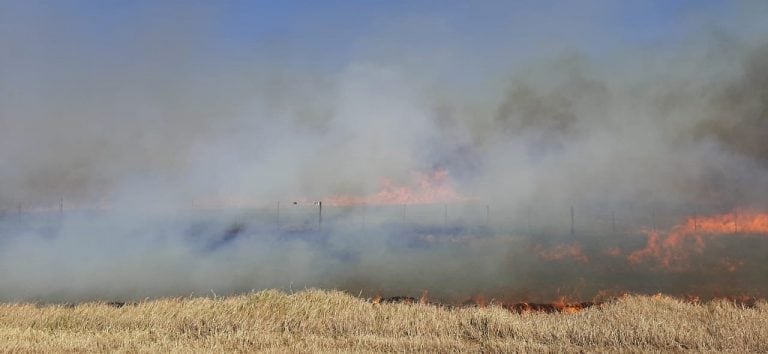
429	188
671	250
476	300
561	306
424	299
426	188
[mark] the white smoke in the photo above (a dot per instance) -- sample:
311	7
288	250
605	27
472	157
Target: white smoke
153	121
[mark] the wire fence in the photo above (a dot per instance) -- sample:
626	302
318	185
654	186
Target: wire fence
534	219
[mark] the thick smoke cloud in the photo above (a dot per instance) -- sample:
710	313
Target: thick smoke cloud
739	120
135	130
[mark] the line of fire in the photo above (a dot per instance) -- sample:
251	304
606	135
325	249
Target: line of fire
539	260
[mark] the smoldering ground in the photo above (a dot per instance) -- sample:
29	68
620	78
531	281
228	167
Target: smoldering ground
152	121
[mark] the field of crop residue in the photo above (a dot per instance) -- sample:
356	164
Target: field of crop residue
315	320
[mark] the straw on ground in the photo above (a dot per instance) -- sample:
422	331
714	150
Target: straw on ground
316	320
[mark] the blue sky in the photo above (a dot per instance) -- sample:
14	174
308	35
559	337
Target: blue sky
331	33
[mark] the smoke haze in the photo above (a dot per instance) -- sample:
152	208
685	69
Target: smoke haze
171	149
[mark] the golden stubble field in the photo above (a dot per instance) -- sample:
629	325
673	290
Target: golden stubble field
330	321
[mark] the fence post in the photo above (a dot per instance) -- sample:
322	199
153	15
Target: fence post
573	231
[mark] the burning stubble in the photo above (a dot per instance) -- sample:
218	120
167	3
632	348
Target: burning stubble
574	175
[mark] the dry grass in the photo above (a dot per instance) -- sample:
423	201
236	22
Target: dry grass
314	320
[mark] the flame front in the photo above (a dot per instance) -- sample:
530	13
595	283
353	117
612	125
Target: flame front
430	188
671	250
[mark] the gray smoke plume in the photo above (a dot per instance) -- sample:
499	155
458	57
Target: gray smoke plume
136	131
